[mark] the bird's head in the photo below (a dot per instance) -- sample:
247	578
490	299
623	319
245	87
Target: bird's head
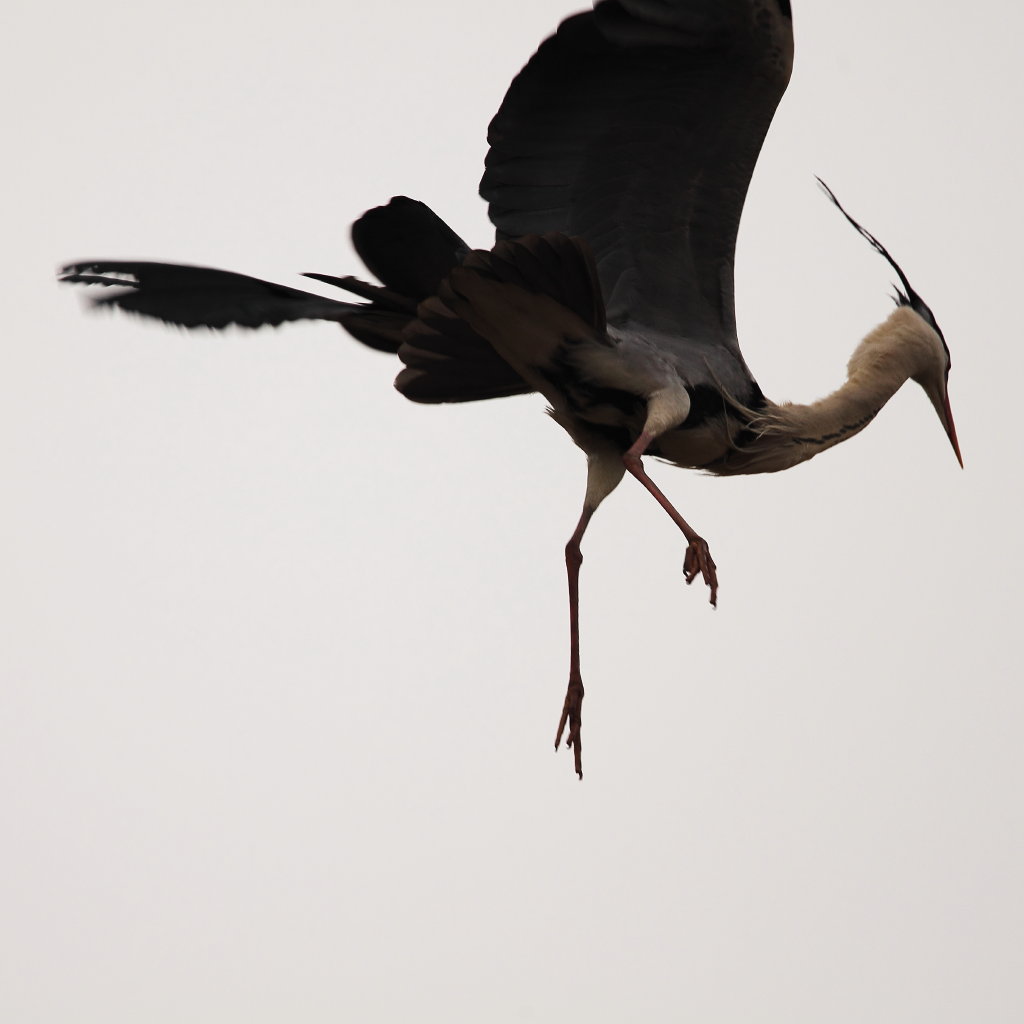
934	375
932	360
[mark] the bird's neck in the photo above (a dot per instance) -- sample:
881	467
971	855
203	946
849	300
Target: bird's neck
787	434
807	430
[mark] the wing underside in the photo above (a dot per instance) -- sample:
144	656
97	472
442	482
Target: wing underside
637	127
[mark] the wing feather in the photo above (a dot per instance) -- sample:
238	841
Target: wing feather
636	127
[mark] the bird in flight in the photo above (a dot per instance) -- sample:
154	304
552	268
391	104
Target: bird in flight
618	166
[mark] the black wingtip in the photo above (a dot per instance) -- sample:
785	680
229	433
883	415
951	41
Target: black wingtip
106	273
79	276
338	282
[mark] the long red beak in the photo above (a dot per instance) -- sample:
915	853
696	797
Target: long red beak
951	431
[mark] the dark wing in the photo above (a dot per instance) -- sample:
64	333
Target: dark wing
404	243
407	247
201	296
637	127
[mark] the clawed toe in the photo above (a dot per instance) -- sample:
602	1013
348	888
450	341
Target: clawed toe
572	716
698	560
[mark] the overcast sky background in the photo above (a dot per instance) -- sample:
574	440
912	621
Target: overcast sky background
283	654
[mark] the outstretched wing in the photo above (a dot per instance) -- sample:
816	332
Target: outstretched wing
637	127
204	297
200	296
404	243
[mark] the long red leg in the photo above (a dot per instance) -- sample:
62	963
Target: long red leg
573	706
698	557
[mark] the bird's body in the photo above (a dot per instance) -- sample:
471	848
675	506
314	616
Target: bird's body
618	168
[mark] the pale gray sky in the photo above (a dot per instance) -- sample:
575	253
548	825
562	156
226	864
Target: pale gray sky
284	653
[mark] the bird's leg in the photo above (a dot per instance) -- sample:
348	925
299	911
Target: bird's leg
698	557
573	706
604	471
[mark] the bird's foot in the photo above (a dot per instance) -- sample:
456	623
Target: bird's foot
572	716
698	560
